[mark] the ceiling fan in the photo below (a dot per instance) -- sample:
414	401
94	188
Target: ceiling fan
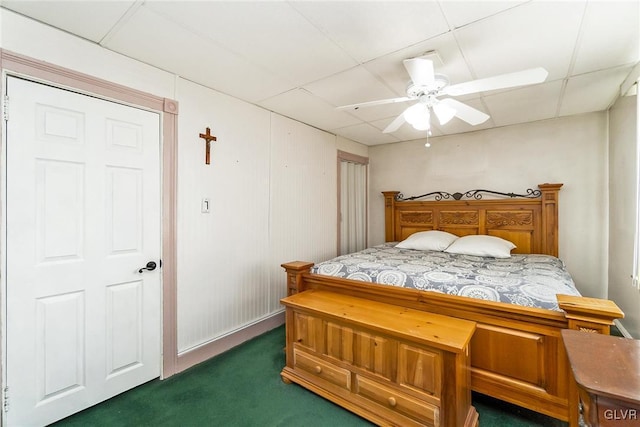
426	86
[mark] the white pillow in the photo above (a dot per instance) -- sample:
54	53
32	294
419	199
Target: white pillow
432	240
481	245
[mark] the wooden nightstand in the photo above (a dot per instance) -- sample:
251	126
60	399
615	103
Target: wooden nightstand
607	372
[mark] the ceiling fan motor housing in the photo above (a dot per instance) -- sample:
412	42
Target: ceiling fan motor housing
440	81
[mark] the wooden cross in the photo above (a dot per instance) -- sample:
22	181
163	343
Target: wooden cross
208	137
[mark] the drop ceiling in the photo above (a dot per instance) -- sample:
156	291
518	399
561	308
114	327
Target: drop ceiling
302	59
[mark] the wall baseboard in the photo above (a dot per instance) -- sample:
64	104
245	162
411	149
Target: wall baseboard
622	329
227	342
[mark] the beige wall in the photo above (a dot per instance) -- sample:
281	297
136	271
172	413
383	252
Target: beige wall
622	205
344	144
570	150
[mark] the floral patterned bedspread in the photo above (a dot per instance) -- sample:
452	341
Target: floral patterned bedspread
526	280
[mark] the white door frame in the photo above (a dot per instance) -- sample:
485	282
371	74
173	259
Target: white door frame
39	71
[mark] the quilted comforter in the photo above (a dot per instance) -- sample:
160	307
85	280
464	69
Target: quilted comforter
526	280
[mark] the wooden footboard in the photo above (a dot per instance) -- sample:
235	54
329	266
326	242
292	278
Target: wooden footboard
517	353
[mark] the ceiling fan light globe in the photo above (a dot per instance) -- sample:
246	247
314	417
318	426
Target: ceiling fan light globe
422	125
444	112
417	113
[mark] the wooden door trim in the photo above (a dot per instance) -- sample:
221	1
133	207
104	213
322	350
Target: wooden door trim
39	71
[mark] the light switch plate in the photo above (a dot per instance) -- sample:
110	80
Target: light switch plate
206	205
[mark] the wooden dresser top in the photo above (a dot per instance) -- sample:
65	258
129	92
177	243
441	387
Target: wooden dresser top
605	365
439	331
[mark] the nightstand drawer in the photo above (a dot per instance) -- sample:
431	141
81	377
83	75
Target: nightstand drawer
325	370
397	401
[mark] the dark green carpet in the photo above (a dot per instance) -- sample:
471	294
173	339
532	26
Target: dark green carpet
242	387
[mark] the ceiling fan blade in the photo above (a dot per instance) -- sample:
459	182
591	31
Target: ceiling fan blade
465	112
395	124
503	81
372	103
420	70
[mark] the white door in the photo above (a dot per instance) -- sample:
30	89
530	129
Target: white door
82	217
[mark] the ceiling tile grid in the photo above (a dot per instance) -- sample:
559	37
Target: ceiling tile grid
302	59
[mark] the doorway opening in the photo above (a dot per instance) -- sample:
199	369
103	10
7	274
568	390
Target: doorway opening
353	183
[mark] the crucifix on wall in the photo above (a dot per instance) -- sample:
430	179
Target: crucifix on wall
208	138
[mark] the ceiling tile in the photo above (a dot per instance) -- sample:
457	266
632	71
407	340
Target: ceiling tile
535	34
365	134
355	86
610	36
461	13
367	29
91	20
271	34
349	87
527	104
301	105
370	114
593	91
162	43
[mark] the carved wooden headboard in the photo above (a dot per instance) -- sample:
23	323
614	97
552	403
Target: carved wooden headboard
529	221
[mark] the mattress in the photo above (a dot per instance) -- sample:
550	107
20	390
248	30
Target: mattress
531	280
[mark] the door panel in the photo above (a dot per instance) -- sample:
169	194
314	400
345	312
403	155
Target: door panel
83	216
61	351
124	327
124	210
59	210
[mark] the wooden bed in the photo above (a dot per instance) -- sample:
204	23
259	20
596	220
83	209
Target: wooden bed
517	354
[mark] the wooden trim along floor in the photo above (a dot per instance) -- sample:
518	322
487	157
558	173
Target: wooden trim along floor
214	348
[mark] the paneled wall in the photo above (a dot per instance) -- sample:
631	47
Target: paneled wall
222	277
272	187
570	150
303	197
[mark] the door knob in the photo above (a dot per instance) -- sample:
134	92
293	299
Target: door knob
150	267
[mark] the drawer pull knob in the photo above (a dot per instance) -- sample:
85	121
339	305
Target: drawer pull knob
318	369
392	402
